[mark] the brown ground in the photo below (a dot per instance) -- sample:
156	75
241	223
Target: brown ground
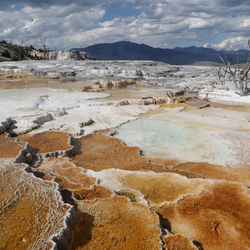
95	192
133	195
20	80
31	210
72	178
178	242
159	187
115	223
49	141
188	174
241	107
214	214
63	168
219	213
100	152
219	218
164	162
210	171
9	148
23	80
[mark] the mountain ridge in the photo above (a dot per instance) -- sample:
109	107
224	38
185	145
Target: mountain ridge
126	50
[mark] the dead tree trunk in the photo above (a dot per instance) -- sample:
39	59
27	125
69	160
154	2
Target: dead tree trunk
239	74
45	48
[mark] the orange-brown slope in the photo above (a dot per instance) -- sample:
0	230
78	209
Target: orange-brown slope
20	80
155	187
219	218
178	242
9	147
158	188
211	171
100	152
31	210
116	223
49	141
72	178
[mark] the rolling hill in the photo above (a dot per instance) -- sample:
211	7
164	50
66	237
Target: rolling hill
125	50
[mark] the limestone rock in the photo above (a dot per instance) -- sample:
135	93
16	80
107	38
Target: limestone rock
5	125
68	55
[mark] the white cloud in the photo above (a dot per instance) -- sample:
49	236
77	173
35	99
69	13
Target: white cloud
194	23
31	24
233	43
68	23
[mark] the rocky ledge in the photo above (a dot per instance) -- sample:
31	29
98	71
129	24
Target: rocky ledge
68	55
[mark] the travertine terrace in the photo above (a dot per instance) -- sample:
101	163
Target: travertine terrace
116	223
47	142
122	155
10	147
218	217
31	210
100	152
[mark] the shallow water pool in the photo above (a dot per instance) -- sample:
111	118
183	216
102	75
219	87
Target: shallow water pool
161	138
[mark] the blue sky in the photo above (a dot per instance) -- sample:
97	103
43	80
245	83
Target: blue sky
119	9
220	24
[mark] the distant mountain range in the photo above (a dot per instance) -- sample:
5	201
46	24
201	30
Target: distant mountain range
125	50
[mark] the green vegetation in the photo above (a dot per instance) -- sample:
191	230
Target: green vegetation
6	53
15	52
3	42
88	123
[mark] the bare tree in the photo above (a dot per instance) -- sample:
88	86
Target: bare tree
237	73
45	48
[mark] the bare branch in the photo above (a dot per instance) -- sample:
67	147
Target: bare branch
240	76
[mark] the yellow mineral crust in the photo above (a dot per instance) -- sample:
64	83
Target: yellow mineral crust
72	178
63	168
201	202
211	171
219	218
20	80
94	192
116	223
162	187
156	187
31	210
9	147
49	141
100	152
178	242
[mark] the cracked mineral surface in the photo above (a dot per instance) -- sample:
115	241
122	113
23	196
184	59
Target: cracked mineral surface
112	156
10	147
218	218
31	210
116	223
100	152
46	142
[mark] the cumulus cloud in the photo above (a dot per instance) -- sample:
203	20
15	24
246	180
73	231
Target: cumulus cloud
233	43
46	3
30	24
79	23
